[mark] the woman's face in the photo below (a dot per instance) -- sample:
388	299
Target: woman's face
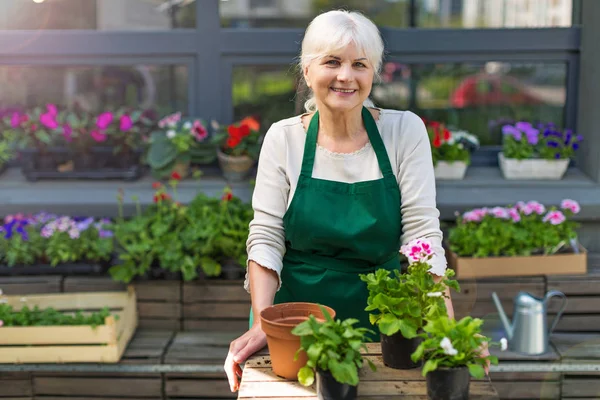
340	81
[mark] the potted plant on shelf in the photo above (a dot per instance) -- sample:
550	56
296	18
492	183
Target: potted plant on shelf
178	143
450	149
402	304
452	353
333	348
6	152
539	240
536	152
238	148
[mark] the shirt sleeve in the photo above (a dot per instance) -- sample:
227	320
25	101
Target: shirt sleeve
420	216
266	239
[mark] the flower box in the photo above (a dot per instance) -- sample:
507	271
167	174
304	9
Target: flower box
454	170
63	163
71	344
532	168
71	269
488	267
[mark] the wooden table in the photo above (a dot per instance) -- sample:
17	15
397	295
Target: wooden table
259	382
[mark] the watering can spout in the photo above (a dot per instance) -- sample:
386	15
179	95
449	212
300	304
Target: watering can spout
507	325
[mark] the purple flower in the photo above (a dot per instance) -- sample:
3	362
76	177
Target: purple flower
104	120
552	143
85	224
510	130
575	146
125	123
532	136
579	138
523	126
105	234
557	156
67	132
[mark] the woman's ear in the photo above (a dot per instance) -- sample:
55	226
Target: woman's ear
306	78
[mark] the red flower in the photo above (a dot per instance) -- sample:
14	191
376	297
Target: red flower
165	196
437	141
156	185
227	196
156	198
233	141
175	175
447	135
251	123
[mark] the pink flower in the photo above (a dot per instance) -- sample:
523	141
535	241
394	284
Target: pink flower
8	219
571	205
51	109
104	120
170	120
536	207
500	212
67	132
98	136
417	250
475	215
49	120
514	214
125	123
199	131
15	120
555	217
1	323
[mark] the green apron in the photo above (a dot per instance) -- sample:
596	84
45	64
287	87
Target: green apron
335	231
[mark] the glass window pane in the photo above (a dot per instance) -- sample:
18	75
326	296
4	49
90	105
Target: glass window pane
298	13
266	91
494	13
475	97
96	14
161	87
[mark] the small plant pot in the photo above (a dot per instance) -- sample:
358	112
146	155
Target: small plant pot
448	384
454	170
277	322
234	169
330	389
532	168
396	351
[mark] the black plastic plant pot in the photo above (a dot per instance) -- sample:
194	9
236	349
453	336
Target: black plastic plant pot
330	389
448	384
396	351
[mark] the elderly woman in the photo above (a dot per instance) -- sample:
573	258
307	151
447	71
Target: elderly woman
339	188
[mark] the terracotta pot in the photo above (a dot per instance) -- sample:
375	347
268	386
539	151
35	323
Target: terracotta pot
277	322
234	169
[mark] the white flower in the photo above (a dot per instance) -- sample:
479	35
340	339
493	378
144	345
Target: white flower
451	352
446	345
434	294
214	124
187	125
171	134
503	344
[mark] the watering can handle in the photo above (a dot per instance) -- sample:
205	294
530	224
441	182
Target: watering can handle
553	293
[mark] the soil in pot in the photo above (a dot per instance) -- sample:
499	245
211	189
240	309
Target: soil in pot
277	322
396	351
448	384
330	389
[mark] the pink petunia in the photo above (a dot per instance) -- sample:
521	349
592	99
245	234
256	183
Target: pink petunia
536	207
68	132
571	205
104	120
49	120
51	109
98	136
125	123
555	217
199	131
514	214
500	212
417	250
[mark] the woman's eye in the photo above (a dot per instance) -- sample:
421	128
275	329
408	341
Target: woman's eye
333	62
359	64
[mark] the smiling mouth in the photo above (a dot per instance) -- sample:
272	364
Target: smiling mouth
343	90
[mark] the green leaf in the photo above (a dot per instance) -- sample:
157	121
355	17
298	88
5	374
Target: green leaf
389	324
430	365
306	376
476	371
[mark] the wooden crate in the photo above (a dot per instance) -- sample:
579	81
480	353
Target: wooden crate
59	344
557	264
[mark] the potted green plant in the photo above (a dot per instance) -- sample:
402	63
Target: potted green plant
401	304
177	144
539	239
450	149
238	148
333	348
452	351
6	152
536	152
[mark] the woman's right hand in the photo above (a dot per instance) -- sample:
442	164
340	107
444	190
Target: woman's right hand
239	351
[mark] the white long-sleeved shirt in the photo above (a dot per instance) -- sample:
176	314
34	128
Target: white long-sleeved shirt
407	144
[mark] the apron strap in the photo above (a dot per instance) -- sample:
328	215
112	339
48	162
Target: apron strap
310	145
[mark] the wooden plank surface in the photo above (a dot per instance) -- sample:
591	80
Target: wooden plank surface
156	309
586	387
237	326
577	346
213	290
18	285
195	348
167	291
98	387
211	310
160	324
91	284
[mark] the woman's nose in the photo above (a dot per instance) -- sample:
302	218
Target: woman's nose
345	73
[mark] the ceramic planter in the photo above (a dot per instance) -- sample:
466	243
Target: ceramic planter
234	169
330	389
277	322
448	384
532	168
396	351
450	170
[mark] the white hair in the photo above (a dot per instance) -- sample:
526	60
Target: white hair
334	30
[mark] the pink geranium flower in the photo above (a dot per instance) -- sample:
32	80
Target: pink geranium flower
514	214
199	131
51	109
125	123
571	205
417	250
49	120
536	207
98	136
555	217
104	120
500	212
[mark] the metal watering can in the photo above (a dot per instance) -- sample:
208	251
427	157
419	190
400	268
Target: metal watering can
529	333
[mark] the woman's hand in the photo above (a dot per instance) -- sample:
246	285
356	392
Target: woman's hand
239	351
